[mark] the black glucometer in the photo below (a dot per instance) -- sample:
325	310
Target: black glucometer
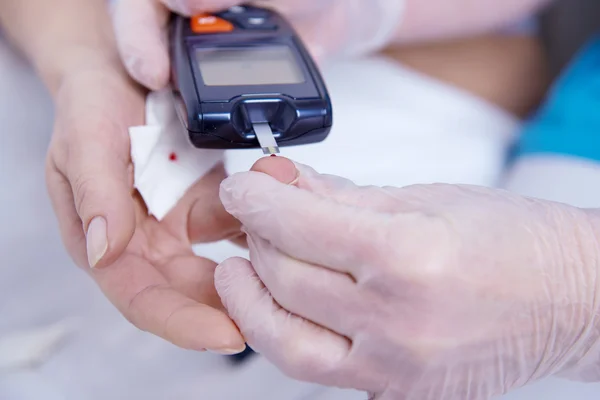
242	78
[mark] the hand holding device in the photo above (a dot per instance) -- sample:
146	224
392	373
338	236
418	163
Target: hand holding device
242	78
329	28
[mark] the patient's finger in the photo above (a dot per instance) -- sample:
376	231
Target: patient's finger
147	300
305	225
240	241
71	227
202	212
280	168
333	187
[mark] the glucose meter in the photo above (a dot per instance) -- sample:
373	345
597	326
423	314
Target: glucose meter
242	78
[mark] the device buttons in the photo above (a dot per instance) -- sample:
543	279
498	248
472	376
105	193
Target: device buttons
237	10
256	22
206	23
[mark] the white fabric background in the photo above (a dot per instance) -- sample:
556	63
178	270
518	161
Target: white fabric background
104	357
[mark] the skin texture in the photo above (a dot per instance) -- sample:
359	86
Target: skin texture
148	269
429	292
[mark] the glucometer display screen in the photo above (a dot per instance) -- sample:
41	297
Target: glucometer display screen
275	65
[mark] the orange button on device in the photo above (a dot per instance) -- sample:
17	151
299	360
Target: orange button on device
206	23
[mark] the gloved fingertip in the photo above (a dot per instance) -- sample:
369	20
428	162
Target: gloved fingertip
154	75
191	7
267	174
226	273
282	169
178	6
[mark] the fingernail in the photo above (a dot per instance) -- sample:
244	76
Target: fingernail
229	352
97	241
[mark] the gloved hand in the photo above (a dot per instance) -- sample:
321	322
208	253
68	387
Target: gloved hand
147	269
433	292
328	27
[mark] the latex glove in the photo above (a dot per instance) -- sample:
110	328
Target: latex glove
147	269
429	292
340	27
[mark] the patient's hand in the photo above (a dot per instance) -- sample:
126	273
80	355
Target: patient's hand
146	268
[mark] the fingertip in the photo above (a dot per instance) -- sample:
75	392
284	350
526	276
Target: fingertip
227	274
280	168
190	7
238	287
151	72
244	191
141	33
200	327
290	342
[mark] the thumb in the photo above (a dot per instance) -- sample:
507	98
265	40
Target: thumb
280	168
102	196
302	176
141	28
141	31
333	187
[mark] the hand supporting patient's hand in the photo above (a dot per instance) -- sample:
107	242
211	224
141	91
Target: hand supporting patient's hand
428	293
146	268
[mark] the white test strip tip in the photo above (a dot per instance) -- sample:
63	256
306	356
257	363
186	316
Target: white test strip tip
266	139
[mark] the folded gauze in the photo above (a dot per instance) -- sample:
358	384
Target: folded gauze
166	164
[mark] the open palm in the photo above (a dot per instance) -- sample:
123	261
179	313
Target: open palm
148	271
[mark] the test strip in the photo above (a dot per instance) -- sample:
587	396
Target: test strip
266	139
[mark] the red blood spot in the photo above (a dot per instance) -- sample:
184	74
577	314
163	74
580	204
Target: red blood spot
173	157
273	155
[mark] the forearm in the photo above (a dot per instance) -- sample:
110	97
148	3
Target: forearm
61	36
506	70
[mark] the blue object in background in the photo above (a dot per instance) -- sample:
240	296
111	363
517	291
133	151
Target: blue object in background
569	122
